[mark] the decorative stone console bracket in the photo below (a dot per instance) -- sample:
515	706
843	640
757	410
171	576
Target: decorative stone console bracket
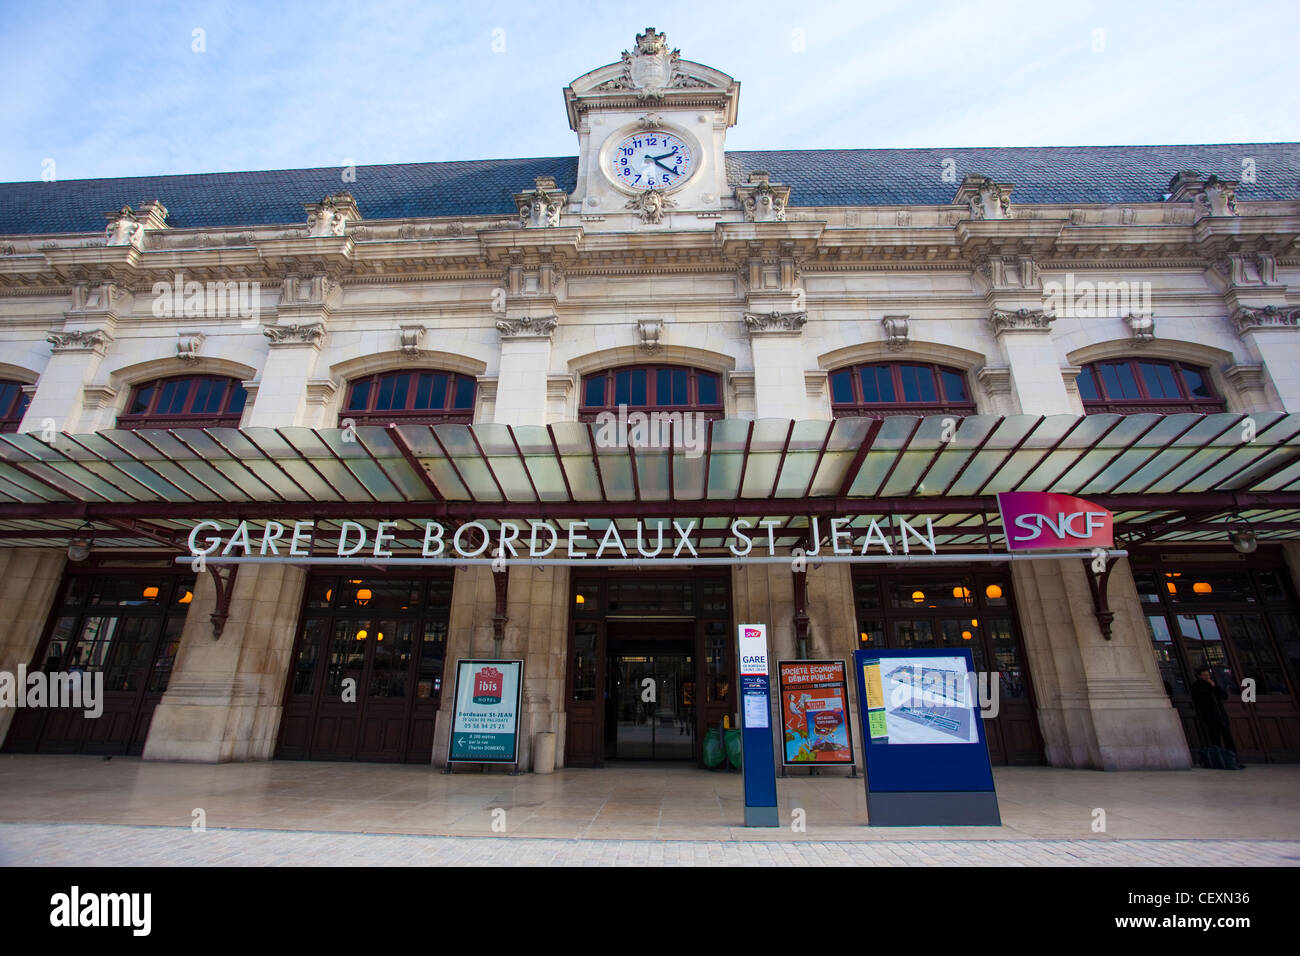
223	579
1097	584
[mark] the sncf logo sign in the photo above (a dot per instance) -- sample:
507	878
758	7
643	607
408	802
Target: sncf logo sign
1034	520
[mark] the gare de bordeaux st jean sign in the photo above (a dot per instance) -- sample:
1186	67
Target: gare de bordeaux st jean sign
1037	524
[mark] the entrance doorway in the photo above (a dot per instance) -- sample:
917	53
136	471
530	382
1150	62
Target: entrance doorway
366	680
650	692
630	628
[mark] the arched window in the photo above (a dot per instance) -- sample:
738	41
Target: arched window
882	389
190	401
423	397
1127	386
13	405
675	388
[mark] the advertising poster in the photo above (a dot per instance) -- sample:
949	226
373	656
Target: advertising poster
485	725
815	713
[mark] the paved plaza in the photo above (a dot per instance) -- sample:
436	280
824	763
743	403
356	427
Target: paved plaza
82	811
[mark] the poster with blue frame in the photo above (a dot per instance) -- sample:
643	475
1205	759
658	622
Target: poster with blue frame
926	755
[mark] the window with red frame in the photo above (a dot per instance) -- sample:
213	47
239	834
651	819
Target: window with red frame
1126	386
649	387
427	397
192	401
899	388
13	405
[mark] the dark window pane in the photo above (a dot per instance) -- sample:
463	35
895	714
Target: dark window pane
304	669
707	384
143	396
1117	379
9	392
392	392
1159	380
670	386
842	387
584	660
166	655
593	395
638	387
1088	385
464	392
360	396
238	397
954	386
431	390
918	383
208	393
622	387
1162	643
877	384
172	399
1197	386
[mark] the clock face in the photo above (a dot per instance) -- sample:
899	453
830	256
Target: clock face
651	158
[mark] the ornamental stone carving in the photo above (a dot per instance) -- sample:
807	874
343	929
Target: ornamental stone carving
1142	327
650	206
775	323
188	345
648	333
331	215
527	327
762	200
80	340
1021	320
409	338
1219	197
540	206
308	333
1267	318
124	229
895	327
649	68
985	198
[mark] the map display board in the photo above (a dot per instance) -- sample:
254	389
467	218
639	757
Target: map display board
485	724
927	759
815	721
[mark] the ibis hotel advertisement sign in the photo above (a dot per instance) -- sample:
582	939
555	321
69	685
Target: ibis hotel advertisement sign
485	726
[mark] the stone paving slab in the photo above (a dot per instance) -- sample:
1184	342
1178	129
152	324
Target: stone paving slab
37	844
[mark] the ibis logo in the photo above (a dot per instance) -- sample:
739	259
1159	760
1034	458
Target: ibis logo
488	684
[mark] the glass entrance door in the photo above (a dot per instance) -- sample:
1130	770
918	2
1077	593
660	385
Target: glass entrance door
650	701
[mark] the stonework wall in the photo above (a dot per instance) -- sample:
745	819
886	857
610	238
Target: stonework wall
29	581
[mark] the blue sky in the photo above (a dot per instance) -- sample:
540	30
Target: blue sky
116	89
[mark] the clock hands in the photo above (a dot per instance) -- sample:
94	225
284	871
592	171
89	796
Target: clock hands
655	160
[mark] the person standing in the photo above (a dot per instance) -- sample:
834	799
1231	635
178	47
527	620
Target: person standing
1208	698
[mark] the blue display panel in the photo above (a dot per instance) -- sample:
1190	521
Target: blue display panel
921	723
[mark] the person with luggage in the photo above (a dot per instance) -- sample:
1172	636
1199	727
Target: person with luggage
1208	698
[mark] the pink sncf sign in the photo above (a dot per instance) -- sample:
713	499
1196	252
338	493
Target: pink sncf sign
1034	520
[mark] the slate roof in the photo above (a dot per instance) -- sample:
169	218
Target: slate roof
832	177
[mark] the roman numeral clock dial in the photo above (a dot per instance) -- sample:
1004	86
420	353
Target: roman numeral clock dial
651	159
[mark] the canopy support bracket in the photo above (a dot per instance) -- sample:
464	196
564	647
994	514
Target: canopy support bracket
225	587
1098	584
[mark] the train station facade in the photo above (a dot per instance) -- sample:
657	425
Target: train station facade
734	354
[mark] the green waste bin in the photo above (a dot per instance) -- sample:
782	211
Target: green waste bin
735	748
714	754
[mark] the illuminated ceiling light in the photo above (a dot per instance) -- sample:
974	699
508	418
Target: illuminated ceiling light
918	596
379	636
580	599
1172	588
1202	587
961	592
363	596
965	635
151	593
863	636
80	544
354	582
329	594
361	634
1242	536
993	591
189	596
974	622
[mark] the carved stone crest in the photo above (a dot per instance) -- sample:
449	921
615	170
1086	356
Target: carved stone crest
124	229
650	205
985	198
330	216
761	199
895	327
540	206
1143	327
188	345
409	339
648	332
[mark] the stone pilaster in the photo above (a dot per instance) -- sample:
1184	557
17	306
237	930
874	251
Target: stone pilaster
225	696
776	340
1100	703
521	397
29	580
1272	336
1025	336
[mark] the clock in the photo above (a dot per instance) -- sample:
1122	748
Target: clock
652	158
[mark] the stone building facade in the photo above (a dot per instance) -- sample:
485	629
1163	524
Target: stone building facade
1148	283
